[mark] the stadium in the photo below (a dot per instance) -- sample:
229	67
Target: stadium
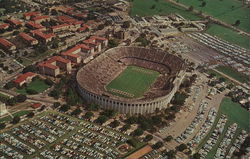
131	80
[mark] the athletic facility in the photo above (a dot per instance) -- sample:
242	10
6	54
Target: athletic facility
131	80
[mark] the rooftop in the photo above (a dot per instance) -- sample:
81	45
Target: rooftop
21	78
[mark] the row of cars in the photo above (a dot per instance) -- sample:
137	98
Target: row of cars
68	137
237	143
204	128
10	140
191	128
221	151
214	137
227	49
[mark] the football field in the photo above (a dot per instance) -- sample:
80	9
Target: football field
133	82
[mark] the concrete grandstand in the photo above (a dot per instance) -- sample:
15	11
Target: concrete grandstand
93	78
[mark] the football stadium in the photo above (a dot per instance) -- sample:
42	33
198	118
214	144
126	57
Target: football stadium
131	80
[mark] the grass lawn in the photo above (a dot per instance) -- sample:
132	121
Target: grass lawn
34	57
133	80
162	7
233	73
38	85
229	35
235	114
9	118
226	10
24	61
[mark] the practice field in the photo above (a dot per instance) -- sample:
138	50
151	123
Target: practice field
133	82
38	85
226	10
229	35
160	7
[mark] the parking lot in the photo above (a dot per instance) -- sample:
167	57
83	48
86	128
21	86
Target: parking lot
54	135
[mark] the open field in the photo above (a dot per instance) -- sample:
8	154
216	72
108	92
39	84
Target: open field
38	85
133	81
233	73
229	35
235	114
227	10
162	7
53	135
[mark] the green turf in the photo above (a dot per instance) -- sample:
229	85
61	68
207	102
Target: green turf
235	113
233	73
226	10
39	85
133	81
229	35
162	7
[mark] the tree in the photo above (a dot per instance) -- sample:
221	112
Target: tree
112	43
2	125
212	75
222	79
115	123
237	23
126	127
76	112
64	108
55	93
109	113
171	154
71	97
56	104
9	85
203	4
191	8
11	101
101	119
132	120
88	115
168	138
148	138
181	147
15	32
179	98
54	12
138	132
153	6
16	119
126	24
170	117
100	27
196	156
48	81
133	142
93	107
157	145
31	91
31	115
21	98
30	68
